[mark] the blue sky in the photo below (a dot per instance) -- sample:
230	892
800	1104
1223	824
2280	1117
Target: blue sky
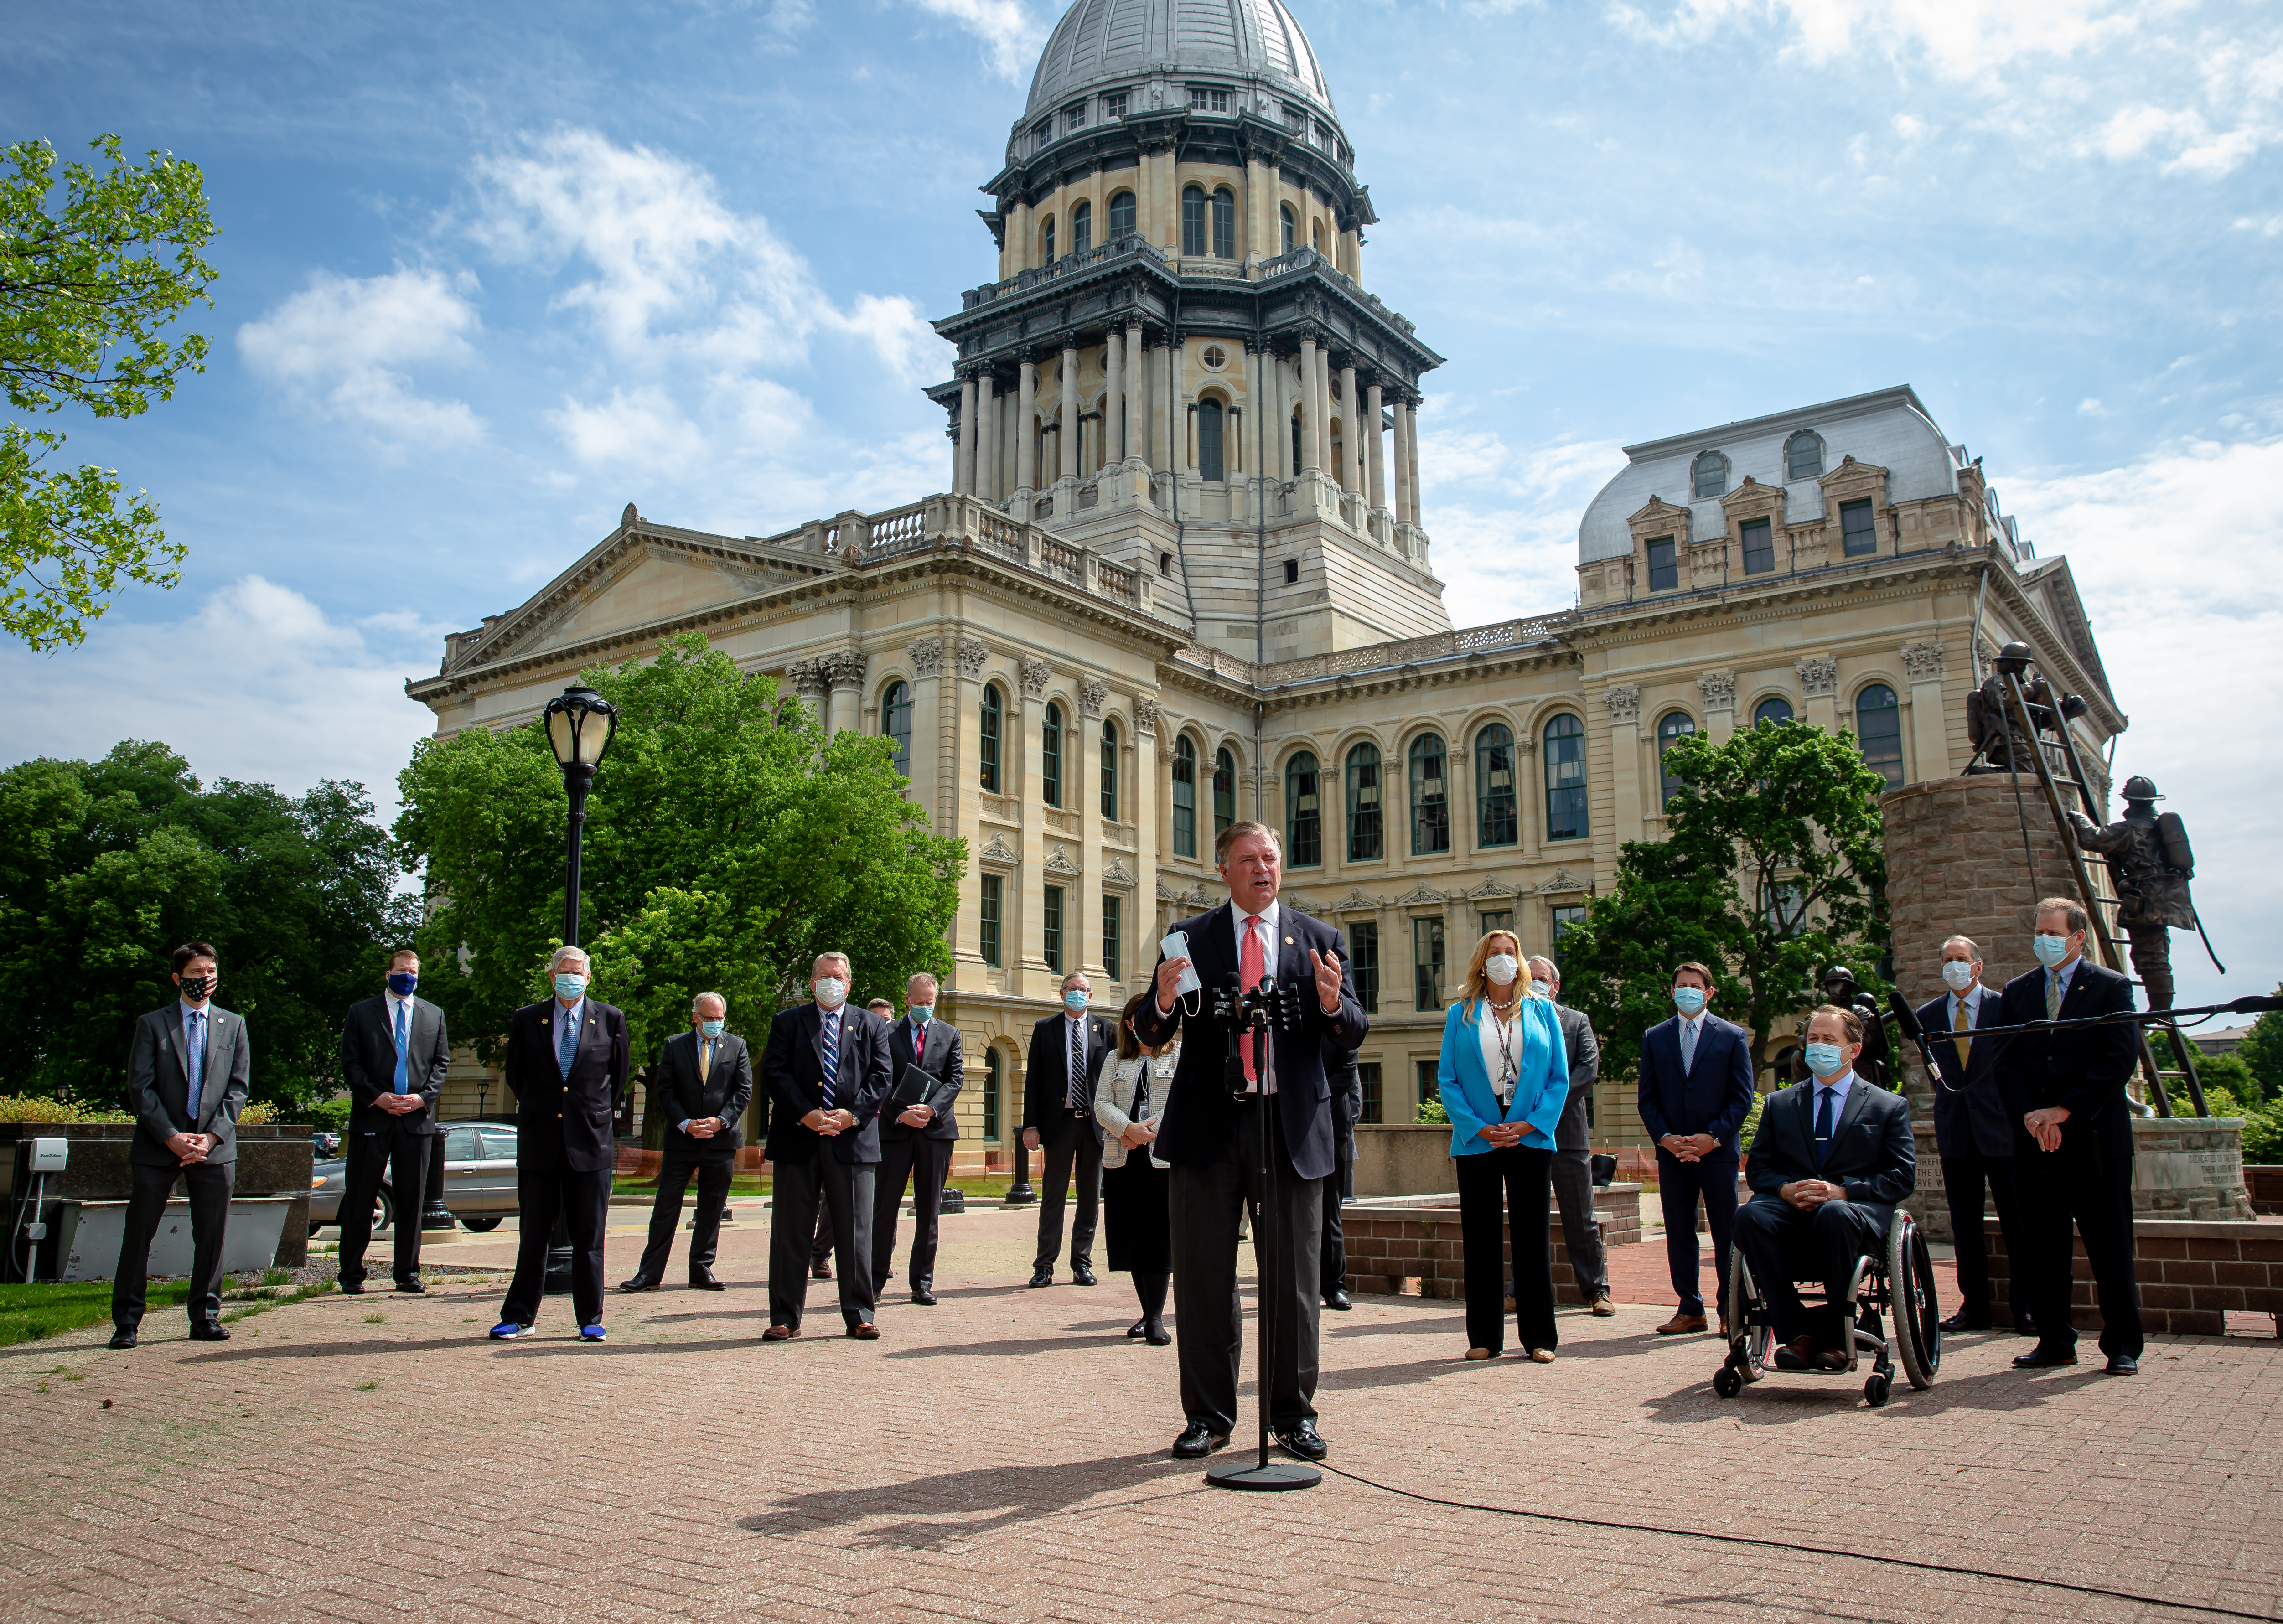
489	272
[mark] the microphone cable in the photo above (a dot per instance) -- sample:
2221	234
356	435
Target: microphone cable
1763	1543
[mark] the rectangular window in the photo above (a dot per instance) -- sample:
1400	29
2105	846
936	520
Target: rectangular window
1074	117
1663	565
1291	572
991	1091
1113	106
1050	918
1563	918
1368	1071
1110	909
1859	533
1427	966
1294	118
994	894
1501	919
1430	1084
1044	132
1363	944
1759	546
1205	98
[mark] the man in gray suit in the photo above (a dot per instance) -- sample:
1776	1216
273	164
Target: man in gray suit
395	1054
186	1083
1573	1170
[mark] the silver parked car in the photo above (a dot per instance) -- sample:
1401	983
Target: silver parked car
479	1180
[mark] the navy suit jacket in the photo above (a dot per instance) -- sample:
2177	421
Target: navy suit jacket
2086	1070
946	1060
1871	1150
1971	1115
792	1074
1712	1097
1200	1116
560	1119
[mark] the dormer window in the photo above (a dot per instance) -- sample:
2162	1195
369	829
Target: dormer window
1803	455
1294	120
1113	105
1707	477
1073	117
1663	565
1042	133
1324	137
1205	98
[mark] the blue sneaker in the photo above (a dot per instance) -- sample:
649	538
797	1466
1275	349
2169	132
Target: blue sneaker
592	1333
508	1330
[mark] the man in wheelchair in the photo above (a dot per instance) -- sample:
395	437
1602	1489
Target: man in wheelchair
1832	1157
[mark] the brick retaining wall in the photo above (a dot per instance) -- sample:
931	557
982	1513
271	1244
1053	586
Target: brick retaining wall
2192	1274
1415	1250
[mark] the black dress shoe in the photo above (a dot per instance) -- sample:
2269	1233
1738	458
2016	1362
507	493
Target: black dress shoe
703	1280
2123	1364
2022	1327
922	1296
1154	1332
209	1330
1958	1322
1302	1439
1339	1298
122	1336
1198	1441
641	1282
2042	1359
412	1287
1042	1276
1081	1275
351	1288
1140	1328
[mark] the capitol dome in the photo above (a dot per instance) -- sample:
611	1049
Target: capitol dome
1100	40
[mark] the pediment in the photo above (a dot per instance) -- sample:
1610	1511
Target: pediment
1751	498
1852	478
1658	511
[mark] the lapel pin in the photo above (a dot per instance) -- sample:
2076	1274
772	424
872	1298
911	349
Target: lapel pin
1288	941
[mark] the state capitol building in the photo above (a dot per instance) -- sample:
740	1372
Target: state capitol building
1180	576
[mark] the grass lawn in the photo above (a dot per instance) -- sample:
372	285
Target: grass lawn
27	1312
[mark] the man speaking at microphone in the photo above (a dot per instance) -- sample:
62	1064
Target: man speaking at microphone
1211	1134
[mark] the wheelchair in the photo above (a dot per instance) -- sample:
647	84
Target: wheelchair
1899	1281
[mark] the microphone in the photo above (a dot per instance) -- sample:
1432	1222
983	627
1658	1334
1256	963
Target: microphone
1232	1064
1906	1019
2255	1004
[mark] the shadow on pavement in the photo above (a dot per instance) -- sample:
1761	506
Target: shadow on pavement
971	1504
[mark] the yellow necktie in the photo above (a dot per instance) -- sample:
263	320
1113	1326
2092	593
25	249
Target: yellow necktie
704	1058
1959	1027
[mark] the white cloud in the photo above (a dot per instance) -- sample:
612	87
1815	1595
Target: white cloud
286	695
340	342
1012	31
2171	555
1504	522
2091	406
1959	39
641	426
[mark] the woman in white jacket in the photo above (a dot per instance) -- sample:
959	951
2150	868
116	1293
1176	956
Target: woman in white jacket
1136	1220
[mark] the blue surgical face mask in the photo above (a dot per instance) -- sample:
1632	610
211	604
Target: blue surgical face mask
2051	950
921	1011
1688	1001
569	988
711	1029
1825	1059
1075	1002
401	983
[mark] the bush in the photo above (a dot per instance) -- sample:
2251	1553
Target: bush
2262	1138
33	1108
1431	1111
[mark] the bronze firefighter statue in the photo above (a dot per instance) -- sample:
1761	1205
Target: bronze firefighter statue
2150	859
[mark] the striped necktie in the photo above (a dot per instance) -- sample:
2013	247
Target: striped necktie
832	1054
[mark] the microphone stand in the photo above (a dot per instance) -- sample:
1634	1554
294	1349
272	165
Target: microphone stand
1263	1474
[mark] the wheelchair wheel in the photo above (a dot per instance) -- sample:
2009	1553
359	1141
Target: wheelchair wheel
1751	1331
1910	1287
1726	1383
1876	1390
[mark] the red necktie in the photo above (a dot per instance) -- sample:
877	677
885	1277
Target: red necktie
1252	963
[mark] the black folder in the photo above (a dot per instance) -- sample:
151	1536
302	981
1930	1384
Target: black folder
912	1088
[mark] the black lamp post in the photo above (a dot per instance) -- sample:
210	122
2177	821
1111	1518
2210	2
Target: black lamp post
580	723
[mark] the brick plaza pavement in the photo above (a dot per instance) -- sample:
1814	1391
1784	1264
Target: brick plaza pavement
1002	1457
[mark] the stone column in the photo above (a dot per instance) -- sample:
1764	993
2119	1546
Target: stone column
1717	689
931	759
1402	463
1929	730
809	679
959	798
1147	767
1026	439
1320	407
1019	239
1176	406
962	461
1411	459
988	472
846	711
1624	703
1311	425
1529	803
1113	400
1136	415
1068	459
1351	443
1377	474
1028	975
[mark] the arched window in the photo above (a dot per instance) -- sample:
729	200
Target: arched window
1771	712
1209	438
1193	221
1565	778
1185	797
1082	227
1316	235
1708	475
1676	725
1224	224
1803	455
1367	839
995	710
1047	241
1297	461
992	1088
1224	788
1304	813
1430	795
896	723
1121	215
1495	824
1109	769
1291	226
1050	757
1879	725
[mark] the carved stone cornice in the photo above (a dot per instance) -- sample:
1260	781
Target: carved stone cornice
1034	675
1562	880
1059	861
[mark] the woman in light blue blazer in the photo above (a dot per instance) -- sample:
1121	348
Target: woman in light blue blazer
1505	1078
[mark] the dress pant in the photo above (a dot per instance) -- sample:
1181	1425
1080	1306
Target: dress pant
1077	1147
2077	1185
393	1148
795	1190
674	1171
1573	1188
1207	1203
925	1162
208	1185
820	1250
1962	1178
1784	1245
543	1191
1678	1184
1332	1250
1518	1179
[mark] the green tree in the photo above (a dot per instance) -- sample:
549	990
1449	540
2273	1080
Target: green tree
2261	1051
728	844
1771	872
107	866
87	292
